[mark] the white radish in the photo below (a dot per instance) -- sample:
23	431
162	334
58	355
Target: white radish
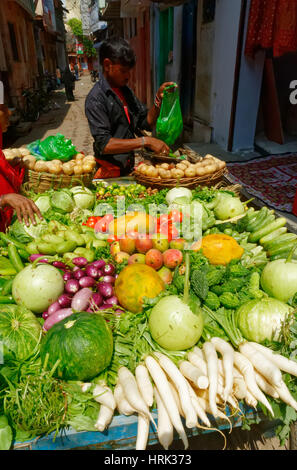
198	352
198	408
165	392
123	405
144	384
198	362
142	432
131	391
181	385
250	399
227	353
247	370
261	363
104	396
176	398
165	428
265	386
286	396
212	372
205	405
104	418
283	363
86	386
194	374
239	385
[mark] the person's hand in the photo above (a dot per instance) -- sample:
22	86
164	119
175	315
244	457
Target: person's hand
156	145
25	208
17	161
160	92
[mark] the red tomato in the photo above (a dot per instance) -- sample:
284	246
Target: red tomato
176	215
108	218
169	230
163	219
112	238
91	222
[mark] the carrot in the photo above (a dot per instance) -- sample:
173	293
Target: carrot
142	432
247	370
123	405
227	352
283	363
212	371
144	384
165	428
261	363
194	374
163	388
182	388
104	418
131	392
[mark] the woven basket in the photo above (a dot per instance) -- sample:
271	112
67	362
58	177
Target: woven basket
41	182
207	180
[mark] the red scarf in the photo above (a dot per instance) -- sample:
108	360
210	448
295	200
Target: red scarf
10	182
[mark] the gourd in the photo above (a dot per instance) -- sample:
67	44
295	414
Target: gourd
221	249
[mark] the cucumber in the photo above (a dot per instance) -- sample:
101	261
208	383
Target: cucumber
261	216
273	235
252	220
283	249
278	223
280	241
264	222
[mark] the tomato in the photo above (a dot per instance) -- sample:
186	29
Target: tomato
169	230
108	218
112	238
91	222
176	215
163	219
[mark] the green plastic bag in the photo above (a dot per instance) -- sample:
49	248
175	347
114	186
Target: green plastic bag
53	148
170	121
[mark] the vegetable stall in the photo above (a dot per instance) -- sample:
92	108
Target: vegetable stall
119	321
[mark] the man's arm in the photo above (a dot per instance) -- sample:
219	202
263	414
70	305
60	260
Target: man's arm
116	146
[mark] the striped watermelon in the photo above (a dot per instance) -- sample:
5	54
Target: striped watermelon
83	343
20	332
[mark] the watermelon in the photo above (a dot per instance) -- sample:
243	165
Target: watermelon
83	343
20	332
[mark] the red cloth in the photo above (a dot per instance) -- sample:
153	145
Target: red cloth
107	170
10	182
272	24
120	94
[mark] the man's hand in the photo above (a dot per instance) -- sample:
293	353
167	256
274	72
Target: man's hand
25	208
160	92
156	145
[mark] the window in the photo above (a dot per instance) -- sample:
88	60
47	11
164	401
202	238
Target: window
13	42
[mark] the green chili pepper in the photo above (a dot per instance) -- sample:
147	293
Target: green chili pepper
15	258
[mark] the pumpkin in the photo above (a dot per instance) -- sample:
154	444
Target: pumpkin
221	249
83	343
134	282
20	332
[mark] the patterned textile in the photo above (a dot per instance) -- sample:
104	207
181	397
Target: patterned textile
272	24
272	179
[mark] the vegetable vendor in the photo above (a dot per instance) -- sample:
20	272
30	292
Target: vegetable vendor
11	178
116	116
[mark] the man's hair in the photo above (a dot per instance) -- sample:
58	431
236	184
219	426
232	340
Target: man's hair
119	51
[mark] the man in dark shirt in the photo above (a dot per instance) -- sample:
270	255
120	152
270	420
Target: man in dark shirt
116	116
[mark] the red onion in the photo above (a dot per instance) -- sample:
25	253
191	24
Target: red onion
113	300
45	315
105	289
109	279
67	275
86	281
53	308
118	311
80	261
64	300
32	258
99	263
105	307
56	317
81	299
78	274
91	271
108	269
59	265
97	299
72	286
90	310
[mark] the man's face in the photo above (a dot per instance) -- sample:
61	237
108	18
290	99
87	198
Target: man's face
117	75
4	117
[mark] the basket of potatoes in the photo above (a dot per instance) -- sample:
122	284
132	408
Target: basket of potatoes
205	171
43	175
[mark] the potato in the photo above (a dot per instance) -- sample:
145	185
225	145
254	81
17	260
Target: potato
41	166
87	168
56	162
142	168
176	173
8	154
24	151
210	168
165	166
165	173
54	167
200	171
68	168
152	171
181	166
190	172
78	170
186	162
90	157
16	153
29	162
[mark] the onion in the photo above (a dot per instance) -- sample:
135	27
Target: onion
53	308
32	258
92	271
105	307
97	299
64	300
56	317
80	261
108	269
109	279
72	286
105	289
67	276
78	274
60	265
113	300
118	311
45	315
99	264
86	281
81	299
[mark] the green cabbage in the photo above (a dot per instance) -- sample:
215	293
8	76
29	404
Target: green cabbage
83	197
62	201
25	234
